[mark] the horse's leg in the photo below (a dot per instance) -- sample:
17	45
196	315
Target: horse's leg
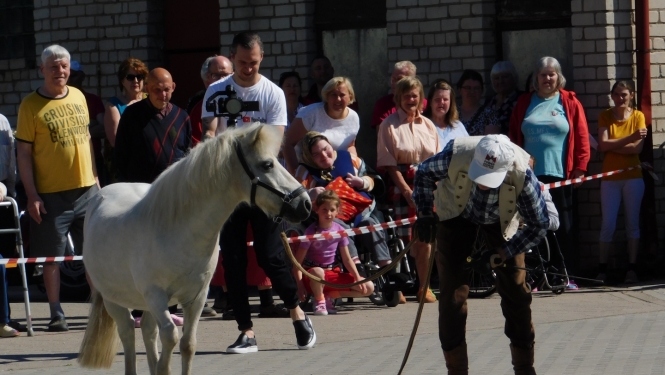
192	312
149	330
157	302
123	318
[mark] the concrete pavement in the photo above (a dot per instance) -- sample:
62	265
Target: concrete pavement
591	331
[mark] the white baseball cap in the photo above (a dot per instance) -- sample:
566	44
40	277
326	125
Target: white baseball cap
493	157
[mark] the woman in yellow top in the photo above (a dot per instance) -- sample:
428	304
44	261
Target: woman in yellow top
621	133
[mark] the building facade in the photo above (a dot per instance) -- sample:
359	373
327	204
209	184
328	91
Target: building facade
595	40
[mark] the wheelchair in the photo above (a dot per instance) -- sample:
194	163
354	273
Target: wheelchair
541	263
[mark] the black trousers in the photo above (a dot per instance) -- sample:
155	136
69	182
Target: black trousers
455	239
269	255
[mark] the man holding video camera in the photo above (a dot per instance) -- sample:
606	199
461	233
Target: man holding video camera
250	86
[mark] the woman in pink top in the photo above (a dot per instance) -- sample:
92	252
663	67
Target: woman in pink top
405	139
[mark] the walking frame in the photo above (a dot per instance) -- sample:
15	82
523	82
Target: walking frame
8	201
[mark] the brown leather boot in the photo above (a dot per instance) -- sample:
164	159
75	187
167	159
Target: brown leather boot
523	360
457	361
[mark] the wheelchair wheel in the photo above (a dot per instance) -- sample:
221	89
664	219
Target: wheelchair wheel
481	284
392	298
482	279
537	260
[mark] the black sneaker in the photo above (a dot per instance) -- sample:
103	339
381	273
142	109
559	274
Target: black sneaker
305	335
58	324
17	326
228	315
243	345
274	311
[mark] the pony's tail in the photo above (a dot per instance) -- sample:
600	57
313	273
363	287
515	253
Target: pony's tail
100	342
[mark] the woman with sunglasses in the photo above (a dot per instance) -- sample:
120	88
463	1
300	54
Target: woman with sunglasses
477	119
131	77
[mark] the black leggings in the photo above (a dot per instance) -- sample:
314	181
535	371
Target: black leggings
269	255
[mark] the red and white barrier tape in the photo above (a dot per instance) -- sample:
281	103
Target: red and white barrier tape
312	237
646	166
352	231
10	261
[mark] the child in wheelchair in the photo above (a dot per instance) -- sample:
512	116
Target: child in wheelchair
319	258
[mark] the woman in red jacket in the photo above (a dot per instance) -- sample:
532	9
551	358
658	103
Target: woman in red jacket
550	124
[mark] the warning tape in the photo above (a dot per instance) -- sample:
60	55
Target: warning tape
307	238
646	166
351	231
13	261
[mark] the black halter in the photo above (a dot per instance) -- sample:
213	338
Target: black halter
287	198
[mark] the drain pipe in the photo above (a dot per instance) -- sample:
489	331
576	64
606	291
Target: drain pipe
643	50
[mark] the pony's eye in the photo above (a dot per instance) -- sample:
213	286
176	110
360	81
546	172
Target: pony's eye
267	165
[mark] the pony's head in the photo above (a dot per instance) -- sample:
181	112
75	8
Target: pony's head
266	182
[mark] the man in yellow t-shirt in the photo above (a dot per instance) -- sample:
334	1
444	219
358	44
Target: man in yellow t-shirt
56	164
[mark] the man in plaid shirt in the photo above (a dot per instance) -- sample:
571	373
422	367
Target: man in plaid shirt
481	182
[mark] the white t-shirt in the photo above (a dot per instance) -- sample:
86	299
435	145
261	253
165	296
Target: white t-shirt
449	133
340	133
272	102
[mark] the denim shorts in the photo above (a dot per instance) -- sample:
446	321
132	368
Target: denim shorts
65	211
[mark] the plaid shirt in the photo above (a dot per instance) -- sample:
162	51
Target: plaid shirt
483	205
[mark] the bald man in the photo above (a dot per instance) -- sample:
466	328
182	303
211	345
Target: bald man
153	133
213	69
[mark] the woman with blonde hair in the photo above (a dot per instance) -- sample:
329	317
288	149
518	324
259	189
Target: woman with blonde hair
405	139
549	123
332	118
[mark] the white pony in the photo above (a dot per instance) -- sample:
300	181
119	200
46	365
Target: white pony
151	246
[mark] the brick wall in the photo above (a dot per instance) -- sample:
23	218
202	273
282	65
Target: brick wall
442	37
657	34
286	29
603	37
99	34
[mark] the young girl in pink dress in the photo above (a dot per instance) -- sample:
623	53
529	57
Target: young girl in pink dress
319	259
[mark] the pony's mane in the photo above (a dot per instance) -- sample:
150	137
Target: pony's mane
193	178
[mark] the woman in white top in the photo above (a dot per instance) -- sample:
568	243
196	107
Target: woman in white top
332	118
442	110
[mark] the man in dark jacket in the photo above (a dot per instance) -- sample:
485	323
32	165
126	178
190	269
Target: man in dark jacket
153	133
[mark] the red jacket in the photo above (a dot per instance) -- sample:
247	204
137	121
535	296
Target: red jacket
579	151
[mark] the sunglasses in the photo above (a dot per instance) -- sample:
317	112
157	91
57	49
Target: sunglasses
132	77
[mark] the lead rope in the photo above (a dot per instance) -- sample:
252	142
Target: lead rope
421	304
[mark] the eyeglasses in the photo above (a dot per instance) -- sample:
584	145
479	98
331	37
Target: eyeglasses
471	88
132	77
217	76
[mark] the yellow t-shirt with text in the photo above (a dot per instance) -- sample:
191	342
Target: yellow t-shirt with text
58	132
619	129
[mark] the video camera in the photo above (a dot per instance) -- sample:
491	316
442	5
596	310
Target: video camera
229	105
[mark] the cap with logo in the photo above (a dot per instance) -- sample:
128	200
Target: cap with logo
493	157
